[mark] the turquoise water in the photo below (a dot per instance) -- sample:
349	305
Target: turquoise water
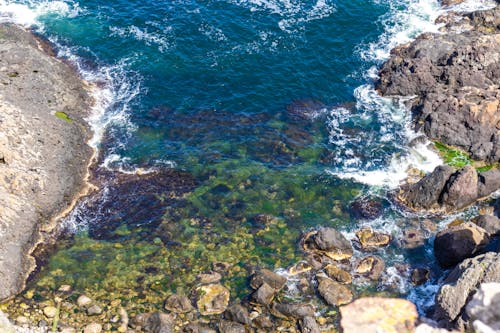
258	107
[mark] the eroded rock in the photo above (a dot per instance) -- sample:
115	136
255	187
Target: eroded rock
370	240
328	242
212	299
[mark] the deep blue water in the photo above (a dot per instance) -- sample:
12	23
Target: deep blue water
268	105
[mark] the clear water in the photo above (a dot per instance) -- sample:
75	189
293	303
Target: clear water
259	107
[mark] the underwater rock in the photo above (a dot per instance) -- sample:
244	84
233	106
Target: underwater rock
419	276
295	310
207	278
238	313
159	322
412	238
490	223
338	274
333	292
83	301
309	325
94	310
366	208
370	267
93	328
264	295
226	326
454	244
371	240
178	304
273	280
377	314
484	310
304	109
212	299
328	242
461	284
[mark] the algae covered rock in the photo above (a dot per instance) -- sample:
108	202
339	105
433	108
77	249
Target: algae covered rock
370	267
273	280
333	292
178	304
377	314
338	274
371	240
212	299
328	242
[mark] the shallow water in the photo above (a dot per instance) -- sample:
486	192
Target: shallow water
262	121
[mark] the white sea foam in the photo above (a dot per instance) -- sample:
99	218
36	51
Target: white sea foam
27	13
161	40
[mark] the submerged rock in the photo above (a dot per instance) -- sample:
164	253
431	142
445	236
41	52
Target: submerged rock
454	244
238	313
178	304
376	314
328	242
412	238
264	295
212	299
371	240
159	322
460	285
366	208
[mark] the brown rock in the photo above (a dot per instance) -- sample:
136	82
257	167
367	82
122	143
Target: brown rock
212	299
412	238
178	304
264	295
333	292
296	310
328	242
371	240
420	276
273	280
371	267
338	274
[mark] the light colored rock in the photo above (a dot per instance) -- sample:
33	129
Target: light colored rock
484	308
94	310
5	325
83	301
93	328
50	311
212	299
377	314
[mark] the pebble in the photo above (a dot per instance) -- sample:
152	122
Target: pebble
83	301
68	330
94	310
93	328
50	311
22	320
65	288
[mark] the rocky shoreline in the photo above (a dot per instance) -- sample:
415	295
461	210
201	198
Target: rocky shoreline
44	157
454	76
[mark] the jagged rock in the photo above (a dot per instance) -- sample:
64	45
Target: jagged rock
338	274
178	304
289	310
461	284
376	314
461	189
309	325
420	276
484	310
212	299
333	292
452	245
329	242
226	326
238	313
370	267
371	240
366	208
490	223
273	280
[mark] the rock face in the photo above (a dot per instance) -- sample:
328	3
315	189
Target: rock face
43	151
484	310
328	242
490	223
376	314
445	189
452	245
455	78
461	284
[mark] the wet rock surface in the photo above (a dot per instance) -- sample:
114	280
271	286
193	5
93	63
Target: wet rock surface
370	240
328	242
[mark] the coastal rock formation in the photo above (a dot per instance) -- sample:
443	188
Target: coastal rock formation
328	242
461	284
455	80
483	309
376	314
43	150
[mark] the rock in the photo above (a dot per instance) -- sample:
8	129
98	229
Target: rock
207	278
197	328
455	244
67	330
5	324
231	327
370	267
238	313
264	295
93	328
412	238
212	299
484	310
273	280
338	274
178	304
309	325
333	292
488	182
50	311
263	322
94	310
299	268
426	328
289	310
461	283
159	322
83	301
371	240
426	193
490	223
366	208
22	320
420	276
376	314
329	242
65	289
461	189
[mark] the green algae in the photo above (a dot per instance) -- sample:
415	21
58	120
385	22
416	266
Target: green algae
63	116
452	156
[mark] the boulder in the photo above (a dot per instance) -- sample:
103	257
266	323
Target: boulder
366	208
273	280
484	308
461	189
454	244
264	295
333	292
490	223
488	182
159	322
370	267
293	310
461	284
178	304
328	242
226	326
309	325
371	240
377	314
238	313
338	274
212	299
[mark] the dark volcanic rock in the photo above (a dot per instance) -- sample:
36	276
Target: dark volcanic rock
366	208
457	243
460	285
